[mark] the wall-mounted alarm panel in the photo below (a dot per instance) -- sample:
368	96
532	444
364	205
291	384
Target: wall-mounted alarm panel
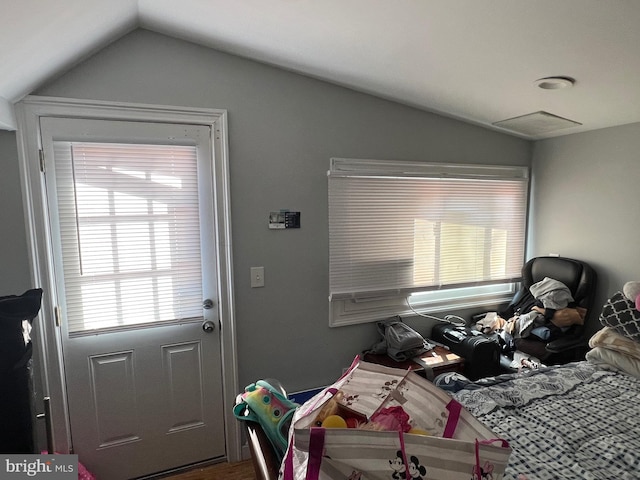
284	219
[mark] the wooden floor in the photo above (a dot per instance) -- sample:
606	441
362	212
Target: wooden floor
220	471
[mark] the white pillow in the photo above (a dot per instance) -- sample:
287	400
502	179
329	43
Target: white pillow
610	339
615	359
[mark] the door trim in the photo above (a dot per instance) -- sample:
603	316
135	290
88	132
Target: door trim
48	364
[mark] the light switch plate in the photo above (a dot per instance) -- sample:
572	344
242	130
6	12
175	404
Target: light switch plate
257	277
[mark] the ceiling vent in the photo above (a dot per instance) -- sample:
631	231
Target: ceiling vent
537	123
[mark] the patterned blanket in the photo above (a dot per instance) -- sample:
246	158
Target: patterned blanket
577	421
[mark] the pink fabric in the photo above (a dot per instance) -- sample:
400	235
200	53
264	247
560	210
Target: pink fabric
287	474
452	422
503	443
353	365
404	454
487	468
392	418
83	473
316	447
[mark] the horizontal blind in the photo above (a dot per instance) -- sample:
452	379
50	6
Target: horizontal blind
408	228
130	236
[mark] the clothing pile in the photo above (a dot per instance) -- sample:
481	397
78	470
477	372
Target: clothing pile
544	311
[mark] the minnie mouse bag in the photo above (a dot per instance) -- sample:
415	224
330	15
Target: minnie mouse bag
412	430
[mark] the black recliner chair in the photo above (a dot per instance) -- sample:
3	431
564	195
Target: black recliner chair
566	344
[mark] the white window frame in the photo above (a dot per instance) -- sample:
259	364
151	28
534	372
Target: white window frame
364	308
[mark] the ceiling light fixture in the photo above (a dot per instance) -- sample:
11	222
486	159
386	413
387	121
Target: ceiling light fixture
554	83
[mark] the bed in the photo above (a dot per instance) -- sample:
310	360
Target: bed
575	421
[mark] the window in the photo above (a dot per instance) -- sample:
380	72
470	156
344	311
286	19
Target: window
128	215
438	233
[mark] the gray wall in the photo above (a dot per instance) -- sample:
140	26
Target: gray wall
283	129
14	261
586	203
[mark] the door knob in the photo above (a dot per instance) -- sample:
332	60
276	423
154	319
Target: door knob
208	326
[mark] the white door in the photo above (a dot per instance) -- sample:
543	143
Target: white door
133	239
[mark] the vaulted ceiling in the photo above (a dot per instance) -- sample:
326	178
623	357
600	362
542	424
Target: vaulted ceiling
475	60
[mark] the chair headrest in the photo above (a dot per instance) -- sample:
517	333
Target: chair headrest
577	275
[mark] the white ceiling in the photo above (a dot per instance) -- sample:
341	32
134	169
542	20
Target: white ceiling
475	60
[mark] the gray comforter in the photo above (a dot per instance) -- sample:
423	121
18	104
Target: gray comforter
577	421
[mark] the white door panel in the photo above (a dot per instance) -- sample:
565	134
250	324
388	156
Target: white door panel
142	397
162	417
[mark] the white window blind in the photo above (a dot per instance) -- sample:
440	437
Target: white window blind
130	238
401	227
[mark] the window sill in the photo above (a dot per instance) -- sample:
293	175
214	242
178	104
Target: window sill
351	312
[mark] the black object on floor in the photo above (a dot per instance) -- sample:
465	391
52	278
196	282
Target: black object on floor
481	354
16	435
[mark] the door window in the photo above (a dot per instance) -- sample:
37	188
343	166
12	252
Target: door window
129	222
